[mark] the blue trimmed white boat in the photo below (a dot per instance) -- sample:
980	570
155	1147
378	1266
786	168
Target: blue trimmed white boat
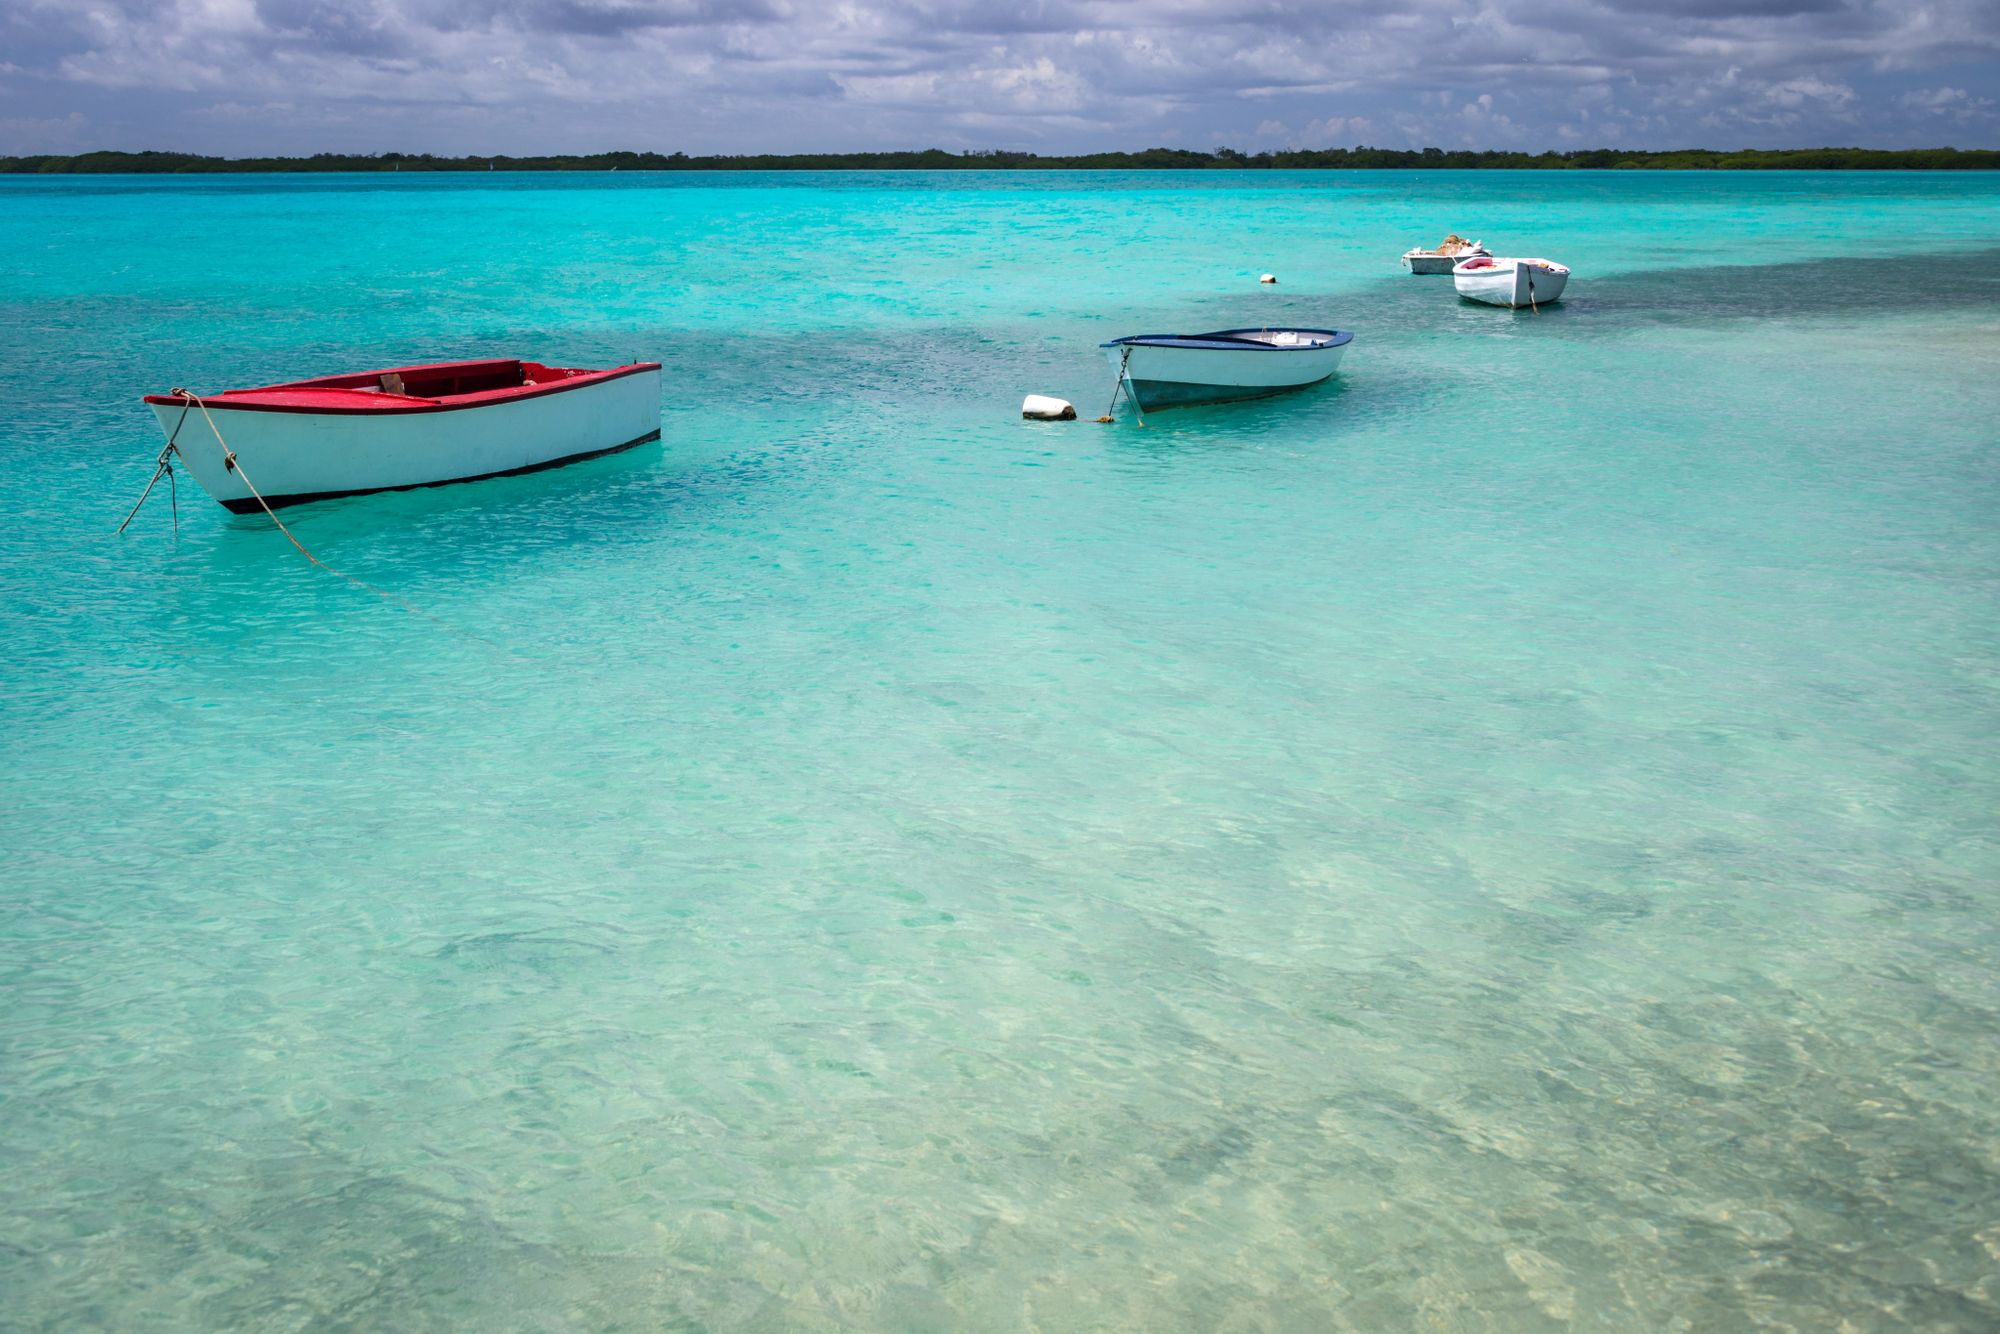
1169	370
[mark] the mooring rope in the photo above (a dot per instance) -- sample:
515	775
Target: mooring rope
231	463
164	464
1124	386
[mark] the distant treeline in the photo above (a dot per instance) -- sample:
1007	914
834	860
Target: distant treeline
936	159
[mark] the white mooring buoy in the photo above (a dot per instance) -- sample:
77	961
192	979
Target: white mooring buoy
1046	408
1268	278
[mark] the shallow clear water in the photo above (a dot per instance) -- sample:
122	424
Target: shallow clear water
1503	839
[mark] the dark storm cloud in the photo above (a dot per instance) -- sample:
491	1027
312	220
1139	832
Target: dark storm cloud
737	75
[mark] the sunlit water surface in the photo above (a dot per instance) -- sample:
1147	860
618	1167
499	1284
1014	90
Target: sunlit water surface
1503	839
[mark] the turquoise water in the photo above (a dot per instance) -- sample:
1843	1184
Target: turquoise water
1505	839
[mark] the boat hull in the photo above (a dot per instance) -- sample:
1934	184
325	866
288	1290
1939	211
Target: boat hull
292	457
1162	377
1512	284
1444	259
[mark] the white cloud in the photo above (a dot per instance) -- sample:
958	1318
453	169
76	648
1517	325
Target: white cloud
1935	99
1955	104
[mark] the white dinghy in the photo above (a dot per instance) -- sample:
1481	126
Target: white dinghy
1500	281
1448	253
459	421
1170	370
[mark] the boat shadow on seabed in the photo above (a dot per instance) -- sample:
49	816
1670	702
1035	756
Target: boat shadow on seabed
1314	411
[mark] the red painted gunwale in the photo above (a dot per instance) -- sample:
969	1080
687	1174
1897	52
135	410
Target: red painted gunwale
354	394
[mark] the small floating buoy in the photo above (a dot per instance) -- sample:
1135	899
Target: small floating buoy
1268	278
1044	408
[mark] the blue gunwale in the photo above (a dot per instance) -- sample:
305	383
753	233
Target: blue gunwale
1229	340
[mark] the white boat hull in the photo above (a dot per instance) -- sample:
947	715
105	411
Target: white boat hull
1174	376
296	456
1512	282
1442	261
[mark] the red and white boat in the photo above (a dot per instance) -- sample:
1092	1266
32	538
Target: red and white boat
391	430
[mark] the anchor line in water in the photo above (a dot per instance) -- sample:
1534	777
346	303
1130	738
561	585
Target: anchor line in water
1119	387
231	463
163	464
173	498
1124	386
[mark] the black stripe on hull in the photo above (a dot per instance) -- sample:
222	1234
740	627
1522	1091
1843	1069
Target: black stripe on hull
1154	395
249	505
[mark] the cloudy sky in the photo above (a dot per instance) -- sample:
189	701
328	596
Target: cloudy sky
485	76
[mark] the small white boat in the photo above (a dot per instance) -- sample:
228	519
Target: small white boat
1442	258
458	421
1169	370
1500	281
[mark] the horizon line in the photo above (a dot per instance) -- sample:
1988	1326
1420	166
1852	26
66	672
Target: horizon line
1362	157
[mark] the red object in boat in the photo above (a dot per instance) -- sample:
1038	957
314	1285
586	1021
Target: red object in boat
438	387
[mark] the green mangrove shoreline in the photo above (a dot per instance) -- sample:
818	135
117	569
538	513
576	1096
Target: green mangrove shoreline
935	159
